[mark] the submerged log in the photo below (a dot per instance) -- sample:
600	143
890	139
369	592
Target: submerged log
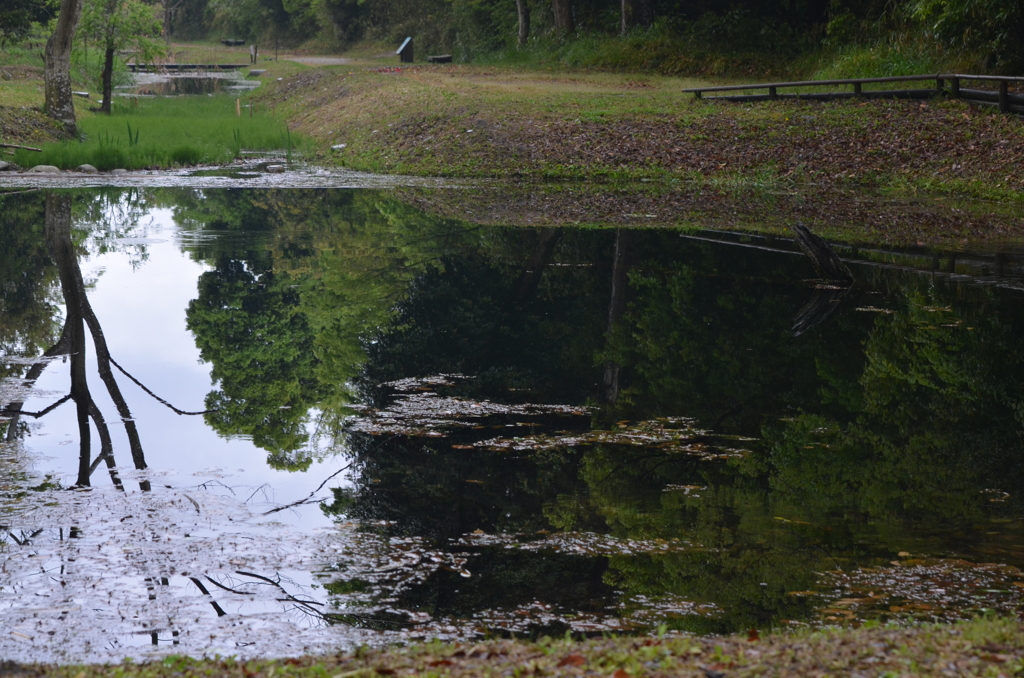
826	262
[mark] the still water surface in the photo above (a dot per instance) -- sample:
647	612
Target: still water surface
264	422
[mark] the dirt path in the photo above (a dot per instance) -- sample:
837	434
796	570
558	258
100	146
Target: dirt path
321	60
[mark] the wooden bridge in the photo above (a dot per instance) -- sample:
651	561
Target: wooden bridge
944	84
181	68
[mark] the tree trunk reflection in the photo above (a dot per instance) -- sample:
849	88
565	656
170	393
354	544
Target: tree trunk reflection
72	342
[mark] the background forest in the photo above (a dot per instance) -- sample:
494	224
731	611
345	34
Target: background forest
828	38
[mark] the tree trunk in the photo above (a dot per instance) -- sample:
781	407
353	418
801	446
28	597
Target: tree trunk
563	16
58	242
57	74
616	309
167	25
523	7
108	80
635	13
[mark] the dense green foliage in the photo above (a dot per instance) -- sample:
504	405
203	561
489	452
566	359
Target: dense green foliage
17	17
666	35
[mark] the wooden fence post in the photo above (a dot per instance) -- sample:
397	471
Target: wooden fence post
1004	97
940	86
857	89
773	93
954	86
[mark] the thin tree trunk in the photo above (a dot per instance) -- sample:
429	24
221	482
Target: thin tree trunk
58	242
108	80
563	16
523	8
59	103
616	309
635	13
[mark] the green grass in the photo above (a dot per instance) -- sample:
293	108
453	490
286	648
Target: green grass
167	132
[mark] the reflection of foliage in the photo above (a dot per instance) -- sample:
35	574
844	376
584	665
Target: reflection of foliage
941	420
282	317
247	323
468	315
27	279
867	451
711	339
852	466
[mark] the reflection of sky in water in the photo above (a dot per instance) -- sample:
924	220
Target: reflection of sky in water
142	312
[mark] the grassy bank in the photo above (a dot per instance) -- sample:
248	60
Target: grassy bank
166	132
979	648
491	122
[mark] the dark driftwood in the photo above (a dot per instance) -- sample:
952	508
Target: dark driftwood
826	262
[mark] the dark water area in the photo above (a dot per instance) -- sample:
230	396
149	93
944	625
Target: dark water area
263	422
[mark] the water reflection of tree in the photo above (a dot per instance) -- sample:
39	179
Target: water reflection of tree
879	431
282	319
72	341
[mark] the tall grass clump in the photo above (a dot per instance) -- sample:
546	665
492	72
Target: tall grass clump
167	132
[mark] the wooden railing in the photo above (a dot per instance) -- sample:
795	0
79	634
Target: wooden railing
154	68
1007	102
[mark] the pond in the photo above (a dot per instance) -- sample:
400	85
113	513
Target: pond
268	421
188	83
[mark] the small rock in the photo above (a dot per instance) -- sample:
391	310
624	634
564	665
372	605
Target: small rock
86	169
43	169
338	147
119	171
275	169
4	165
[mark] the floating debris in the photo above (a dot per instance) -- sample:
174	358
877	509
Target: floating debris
671	435
418	411
577	543
921	590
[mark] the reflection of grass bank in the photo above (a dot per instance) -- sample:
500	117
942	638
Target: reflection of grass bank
847	214
977	648
166	132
